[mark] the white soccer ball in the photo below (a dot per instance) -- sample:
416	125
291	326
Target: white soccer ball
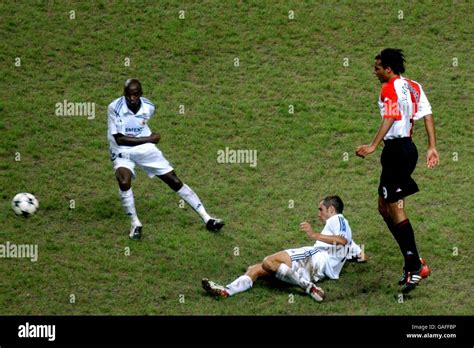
25	204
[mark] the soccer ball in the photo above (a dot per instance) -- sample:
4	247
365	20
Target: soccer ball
25	204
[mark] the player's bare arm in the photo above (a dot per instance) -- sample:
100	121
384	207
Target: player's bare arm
338	240
432	156
359	258
364	150
123	140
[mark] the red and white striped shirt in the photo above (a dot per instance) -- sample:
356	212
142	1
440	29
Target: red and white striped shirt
405	101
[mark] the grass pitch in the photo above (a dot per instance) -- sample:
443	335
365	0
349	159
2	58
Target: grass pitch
238	68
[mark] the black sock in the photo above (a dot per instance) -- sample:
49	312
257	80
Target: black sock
391	227
406	240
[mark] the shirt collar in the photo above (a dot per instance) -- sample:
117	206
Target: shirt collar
394	78
127	111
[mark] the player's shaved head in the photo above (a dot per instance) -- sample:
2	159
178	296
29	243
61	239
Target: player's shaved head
333	201
133	91
132	84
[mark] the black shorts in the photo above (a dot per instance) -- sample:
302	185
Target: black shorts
399	157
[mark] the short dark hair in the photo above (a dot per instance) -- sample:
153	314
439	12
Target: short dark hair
394	58
334	201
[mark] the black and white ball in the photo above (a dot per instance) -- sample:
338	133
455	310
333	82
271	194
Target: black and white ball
25	204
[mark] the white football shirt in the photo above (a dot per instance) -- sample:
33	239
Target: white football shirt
122	120
336	225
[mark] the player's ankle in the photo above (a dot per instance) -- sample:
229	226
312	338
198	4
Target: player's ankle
136	222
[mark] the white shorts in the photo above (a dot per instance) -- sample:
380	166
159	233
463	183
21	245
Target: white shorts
147	156
308	262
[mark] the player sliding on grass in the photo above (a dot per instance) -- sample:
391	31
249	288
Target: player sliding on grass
401	102
307	265
132	143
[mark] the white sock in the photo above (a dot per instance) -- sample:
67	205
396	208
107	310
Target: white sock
128	204
286	274
193	200
241	284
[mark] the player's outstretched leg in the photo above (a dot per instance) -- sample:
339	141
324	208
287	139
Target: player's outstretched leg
415	268
190	197
124	178
385	213
241	284
280	265
215	289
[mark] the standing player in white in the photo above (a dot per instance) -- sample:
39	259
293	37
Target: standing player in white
132	143
307	265
401	102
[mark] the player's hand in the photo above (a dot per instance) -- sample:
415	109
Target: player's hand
362	257
155	138
364	150
432	158
305	226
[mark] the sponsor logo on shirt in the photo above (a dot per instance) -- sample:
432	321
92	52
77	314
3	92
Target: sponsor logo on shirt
133	129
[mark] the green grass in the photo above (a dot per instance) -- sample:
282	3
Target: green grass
300	156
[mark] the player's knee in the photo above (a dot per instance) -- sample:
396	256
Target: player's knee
268	264
172	181
176	184
124	183
265	263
